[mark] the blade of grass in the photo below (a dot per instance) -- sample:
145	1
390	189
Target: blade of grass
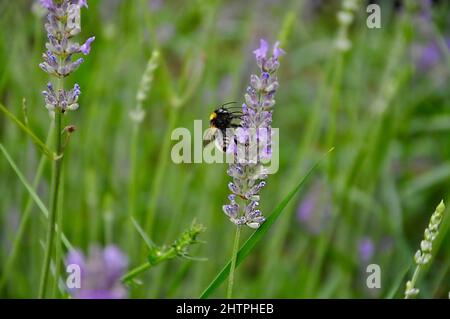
41	145
33	194
399	282
251	242
10	260
150	244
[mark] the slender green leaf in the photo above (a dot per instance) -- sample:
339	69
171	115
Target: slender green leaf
30	189
150	244
23	127
399	282
251	242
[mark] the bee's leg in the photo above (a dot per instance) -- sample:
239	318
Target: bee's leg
224	143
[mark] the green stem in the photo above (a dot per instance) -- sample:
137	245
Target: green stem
414	278
56	177
136	272
233	262
59	248
169	254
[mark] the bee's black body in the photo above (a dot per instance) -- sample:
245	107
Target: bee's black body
222	119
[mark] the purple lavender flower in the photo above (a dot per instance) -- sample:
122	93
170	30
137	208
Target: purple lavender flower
86	47
261	52
366	249
253	138
65	100
100	273
63	23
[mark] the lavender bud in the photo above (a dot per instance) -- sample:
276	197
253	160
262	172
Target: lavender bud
255	82
231	210
255	189
233	188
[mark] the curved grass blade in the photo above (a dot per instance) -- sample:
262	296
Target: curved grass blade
33	194
251	242
150	244
41	145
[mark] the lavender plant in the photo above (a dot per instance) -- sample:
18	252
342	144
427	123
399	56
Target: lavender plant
423	255
63	23
253	137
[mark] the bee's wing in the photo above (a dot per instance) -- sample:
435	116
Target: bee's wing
209	136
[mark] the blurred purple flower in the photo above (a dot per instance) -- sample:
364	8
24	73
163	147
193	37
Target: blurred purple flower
165	32
156	4
100	273
426	7
366	249
47	4
306	208
430	55
313	211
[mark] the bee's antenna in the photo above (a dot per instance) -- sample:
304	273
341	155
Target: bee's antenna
228	103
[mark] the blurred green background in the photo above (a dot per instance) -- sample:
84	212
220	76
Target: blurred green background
384	105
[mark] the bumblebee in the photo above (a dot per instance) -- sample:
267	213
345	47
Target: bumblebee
220	120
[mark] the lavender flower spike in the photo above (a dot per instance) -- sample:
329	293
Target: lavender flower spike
100	273
63	23
253	138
